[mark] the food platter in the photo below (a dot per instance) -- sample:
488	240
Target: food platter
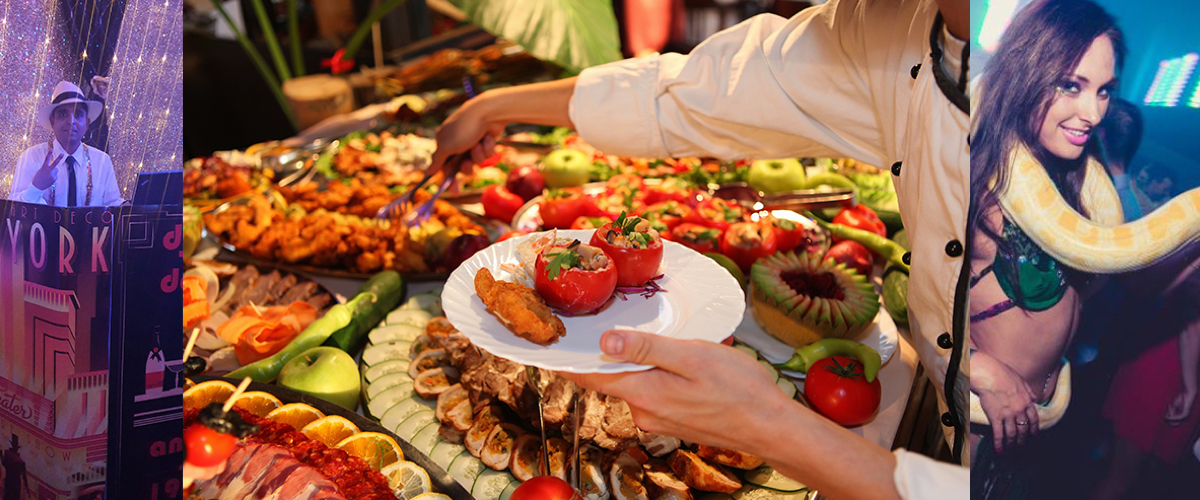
442	481
702	301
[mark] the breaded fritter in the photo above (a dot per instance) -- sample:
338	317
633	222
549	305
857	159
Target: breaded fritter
519	308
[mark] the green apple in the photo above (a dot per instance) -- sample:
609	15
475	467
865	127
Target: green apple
566	168
773	176
324	372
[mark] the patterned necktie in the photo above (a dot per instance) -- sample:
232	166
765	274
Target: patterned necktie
71	193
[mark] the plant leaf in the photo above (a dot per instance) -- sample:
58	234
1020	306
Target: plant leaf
574	34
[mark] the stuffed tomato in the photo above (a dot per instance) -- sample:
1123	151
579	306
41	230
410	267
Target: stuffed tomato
560	207
634	247
716	213
575	278
746	242
702	239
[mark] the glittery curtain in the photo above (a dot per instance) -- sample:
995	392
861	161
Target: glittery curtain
45	41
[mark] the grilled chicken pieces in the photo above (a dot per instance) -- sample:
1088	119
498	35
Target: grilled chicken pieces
519	308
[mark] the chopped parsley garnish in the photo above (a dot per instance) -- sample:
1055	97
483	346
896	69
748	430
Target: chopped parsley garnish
566	259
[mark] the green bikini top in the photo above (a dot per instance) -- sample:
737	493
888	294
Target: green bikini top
1028	275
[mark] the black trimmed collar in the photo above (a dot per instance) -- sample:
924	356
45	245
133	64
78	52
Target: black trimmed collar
955	93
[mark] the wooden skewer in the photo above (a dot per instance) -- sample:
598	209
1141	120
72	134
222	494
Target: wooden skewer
236	394
187	351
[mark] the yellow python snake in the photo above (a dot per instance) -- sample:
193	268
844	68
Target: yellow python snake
1105	244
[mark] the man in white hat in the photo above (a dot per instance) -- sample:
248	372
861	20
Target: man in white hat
65	172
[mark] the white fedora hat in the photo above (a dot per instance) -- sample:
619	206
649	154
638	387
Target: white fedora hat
67	93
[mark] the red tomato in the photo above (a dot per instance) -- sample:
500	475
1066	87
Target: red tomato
854	255
696	237
624	182
861	217
746	242
716	213
575	290
670	213
635	266
586	222
611	205
788	234
544	488
500	203
206	447
669	190
492	160
560	207
837	388
511	234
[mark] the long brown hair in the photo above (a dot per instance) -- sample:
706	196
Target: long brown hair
1042	46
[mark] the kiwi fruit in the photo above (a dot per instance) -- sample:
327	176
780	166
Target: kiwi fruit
802	298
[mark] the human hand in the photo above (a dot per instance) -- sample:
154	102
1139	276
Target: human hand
1007	400
1181	406
48	173
100	86
469	129
698	391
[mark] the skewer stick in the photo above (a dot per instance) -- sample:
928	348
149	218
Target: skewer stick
187	351
236	394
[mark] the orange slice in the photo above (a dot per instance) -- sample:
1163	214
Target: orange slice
204	393
296	415
330	430
379	450
257	402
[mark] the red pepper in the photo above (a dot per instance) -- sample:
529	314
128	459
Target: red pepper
670	213
635	264
696	237
746	242
574	290
560	207
716	213
861	217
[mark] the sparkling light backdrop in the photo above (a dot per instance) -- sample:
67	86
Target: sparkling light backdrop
144	104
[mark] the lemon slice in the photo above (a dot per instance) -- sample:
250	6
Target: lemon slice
204	393
257	402
430	496
330	430
296	415
408	480
377	449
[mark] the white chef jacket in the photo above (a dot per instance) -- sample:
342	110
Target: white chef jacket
842	80
104	181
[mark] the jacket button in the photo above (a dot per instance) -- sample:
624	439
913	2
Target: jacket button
944	341
896	168
915	69
907	258
946	420
954	248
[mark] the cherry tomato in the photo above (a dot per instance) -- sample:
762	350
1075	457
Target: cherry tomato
716	213
635	266
560	207
696	237
586	222
837	388
670	212
544	488
206	447
746	242
861	217
574	290
500	203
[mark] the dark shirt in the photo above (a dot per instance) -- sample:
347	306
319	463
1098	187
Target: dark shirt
14	475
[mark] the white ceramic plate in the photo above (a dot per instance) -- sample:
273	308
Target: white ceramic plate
882	335
702	301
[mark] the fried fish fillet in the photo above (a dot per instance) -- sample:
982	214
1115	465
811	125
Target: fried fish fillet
519	308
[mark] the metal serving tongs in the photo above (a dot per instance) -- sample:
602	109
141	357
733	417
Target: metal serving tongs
808	199
402	207
535	381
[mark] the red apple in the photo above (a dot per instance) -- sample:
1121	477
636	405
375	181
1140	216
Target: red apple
462	248
854	255
526	182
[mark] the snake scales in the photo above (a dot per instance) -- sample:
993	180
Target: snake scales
1105	244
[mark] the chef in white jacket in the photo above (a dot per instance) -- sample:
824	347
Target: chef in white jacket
883	82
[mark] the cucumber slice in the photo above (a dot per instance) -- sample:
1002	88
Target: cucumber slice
388	367
415	317
395	333
426	438
378	353
402	410
770	369
768	477
417	421
509	490
387	382
787	386
389	398
466	468
715	496
746	349
751	492
430	302
490	484
445	452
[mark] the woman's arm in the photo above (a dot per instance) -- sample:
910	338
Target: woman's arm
1006	398
1189	359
